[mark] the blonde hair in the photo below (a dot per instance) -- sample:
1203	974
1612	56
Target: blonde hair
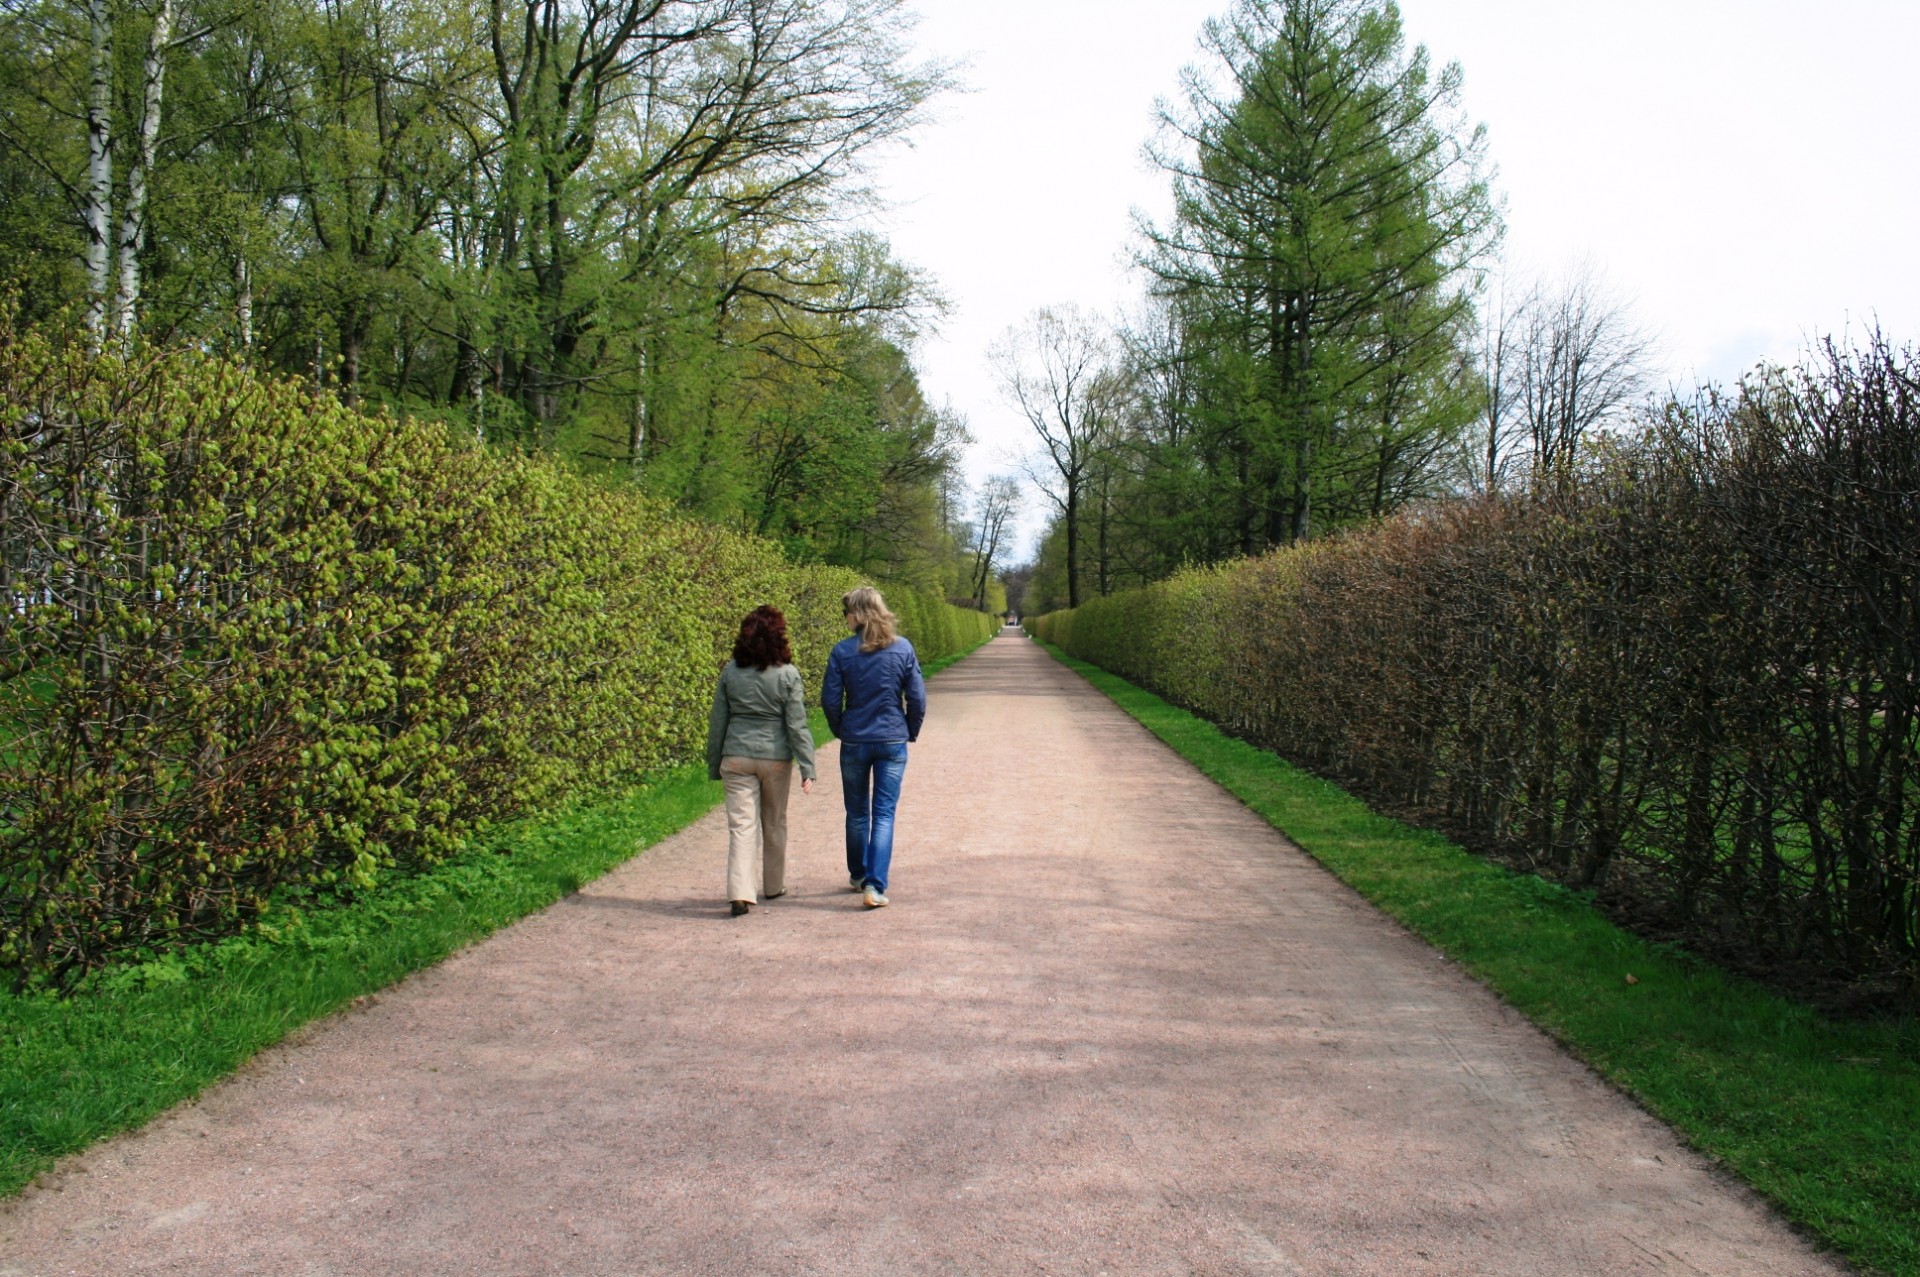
869	611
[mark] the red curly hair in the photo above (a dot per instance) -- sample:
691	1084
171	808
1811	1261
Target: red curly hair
763	639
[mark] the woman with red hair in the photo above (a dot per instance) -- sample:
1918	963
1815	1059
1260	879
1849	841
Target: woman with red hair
755	734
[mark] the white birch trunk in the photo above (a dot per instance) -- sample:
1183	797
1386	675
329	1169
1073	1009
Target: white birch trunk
133	221
243	301
99	203
637	429
479	396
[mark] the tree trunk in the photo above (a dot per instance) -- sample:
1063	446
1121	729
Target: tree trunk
1302	490
1105	579
637	426
353	344
99	203
1299	401
1073	543
133	217
243	302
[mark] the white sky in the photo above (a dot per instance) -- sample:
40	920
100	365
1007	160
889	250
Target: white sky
1743	172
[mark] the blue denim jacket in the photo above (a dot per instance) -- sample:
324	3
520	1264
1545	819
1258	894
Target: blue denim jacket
874	697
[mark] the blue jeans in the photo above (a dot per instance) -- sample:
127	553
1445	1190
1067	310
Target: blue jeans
870	776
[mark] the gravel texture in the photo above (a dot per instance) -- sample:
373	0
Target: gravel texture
1111	1023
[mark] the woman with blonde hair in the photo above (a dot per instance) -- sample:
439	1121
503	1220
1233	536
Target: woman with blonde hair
755	732
875	700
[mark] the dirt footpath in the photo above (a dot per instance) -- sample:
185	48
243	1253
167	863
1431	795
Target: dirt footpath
1112	1023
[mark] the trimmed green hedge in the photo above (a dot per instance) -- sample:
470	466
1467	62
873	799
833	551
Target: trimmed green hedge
252	639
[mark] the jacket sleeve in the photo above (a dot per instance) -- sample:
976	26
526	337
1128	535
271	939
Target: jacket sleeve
914	688
717	727
799	735
833	692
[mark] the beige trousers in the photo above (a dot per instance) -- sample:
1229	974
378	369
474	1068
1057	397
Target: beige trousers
756	825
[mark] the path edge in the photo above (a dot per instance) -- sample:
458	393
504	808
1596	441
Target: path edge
1777	1199
26	1171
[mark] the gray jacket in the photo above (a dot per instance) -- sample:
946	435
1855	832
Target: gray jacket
759	714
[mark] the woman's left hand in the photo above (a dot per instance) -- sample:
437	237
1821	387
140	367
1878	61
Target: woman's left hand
806	785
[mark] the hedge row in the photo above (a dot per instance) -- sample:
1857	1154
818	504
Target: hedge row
1688	678
250	640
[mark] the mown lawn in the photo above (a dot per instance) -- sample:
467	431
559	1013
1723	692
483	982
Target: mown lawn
1821	1116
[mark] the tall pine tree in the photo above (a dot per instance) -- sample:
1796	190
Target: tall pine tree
1329	205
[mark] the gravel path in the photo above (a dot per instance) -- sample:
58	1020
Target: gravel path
1112	1023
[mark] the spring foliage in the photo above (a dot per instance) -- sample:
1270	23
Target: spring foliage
1687	676
1330	204
253	640
619	232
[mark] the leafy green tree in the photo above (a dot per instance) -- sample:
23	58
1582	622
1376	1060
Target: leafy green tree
607	230
372	99
42	240
1329	206
630	127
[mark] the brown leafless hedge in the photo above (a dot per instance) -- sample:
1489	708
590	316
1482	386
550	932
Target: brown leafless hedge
1687	678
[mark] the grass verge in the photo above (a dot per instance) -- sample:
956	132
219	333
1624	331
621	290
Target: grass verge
1823	1117
136	1040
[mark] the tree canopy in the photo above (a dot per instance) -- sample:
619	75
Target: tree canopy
611	230
1315	279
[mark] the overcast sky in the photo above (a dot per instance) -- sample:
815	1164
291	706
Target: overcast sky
1743	172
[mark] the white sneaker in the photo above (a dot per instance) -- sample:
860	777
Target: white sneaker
872	898
856	884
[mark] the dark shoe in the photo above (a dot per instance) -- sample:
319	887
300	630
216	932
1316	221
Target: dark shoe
740	907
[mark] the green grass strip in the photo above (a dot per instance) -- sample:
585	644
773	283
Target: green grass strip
138	1040
1821	1116
135	1041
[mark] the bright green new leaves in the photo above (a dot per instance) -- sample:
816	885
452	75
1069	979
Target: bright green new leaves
256	639
1328	204
615	233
